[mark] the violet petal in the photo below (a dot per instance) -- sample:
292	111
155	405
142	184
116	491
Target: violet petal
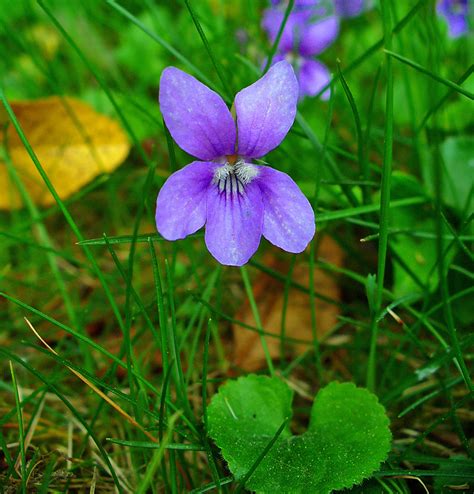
234	224
288	218
181	203
317	36
349	8
266	111
197	117
313	76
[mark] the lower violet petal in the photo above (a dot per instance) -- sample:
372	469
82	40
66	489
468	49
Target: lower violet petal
234	224
288	218
349	8
181	203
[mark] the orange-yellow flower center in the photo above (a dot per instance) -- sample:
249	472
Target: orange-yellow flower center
231	159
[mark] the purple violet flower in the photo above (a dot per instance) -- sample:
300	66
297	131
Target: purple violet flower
307	33
237	200
456	14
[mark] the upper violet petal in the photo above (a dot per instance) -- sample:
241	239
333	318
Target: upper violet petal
288	218
181	203
314	76
317	36
197	117
266	111
234	224
292	32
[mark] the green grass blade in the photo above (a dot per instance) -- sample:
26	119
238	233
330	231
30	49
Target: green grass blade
436	77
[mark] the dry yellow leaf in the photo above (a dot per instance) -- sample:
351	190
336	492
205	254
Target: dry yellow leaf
72	141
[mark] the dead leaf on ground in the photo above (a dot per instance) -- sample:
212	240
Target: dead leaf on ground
269	295
72	141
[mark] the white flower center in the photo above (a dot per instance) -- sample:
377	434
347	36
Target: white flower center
294	59
232	178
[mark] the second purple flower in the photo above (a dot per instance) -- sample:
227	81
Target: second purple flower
308	31
236	199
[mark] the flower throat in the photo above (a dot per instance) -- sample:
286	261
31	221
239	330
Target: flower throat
234	175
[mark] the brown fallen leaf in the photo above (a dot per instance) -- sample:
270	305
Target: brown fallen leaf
269	295
73	143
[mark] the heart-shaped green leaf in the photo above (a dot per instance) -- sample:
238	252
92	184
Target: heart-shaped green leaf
347	439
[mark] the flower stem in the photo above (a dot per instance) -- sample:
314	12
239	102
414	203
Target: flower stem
274	48
256	315
384	198
220	72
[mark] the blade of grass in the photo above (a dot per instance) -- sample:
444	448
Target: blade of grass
443	100
212	485
369	208
174	347
173	51
157	457
94	388
286	293
436	77
205	362
61	205
332	166
77	414
275	44
151	445
47	243
258	321
363	164
368	128
136	297
225	83
443	271
21	431
125	327
376	46
125	239
261	456
97	347
248	327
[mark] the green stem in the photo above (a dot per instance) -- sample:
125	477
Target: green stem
274	47
258	321
384	198
21	429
